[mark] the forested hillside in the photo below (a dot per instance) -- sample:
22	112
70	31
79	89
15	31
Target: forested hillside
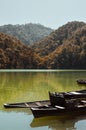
16	55
65	48
56	38
26	33
71	52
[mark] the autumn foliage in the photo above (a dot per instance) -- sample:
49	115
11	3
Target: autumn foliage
15	55
64	48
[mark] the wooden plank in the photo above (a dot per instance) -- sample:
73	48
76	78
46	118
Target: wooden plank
60	107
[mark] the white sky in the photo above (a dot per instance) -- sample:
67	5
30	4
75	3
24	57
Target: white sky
50	13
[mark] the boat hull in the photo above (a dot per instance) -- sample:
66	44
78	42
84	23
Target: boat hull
37	112
27	104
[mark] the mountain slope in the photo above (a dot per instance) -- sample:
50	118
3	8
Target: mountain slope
71	54
27	33
16	55
56	38
64	48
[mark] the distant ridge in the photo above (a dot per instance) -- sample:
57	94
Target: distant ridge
26	33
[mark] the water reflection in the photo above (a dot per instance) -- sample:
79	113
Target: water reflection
54	123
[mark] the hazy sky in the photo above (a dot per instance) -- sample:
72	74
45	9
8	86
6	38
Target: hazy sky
50	13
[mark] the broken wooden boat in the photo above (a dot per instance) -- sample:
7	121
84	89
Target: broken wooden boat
81	81
57	110
27	104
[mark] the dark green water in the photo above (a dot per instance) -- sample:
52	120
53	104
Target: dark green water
19	86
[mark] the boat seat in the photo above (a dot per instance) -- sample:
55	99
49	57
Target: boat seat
83	101
38	104
79	106
26	105
46	105
59	107
76	93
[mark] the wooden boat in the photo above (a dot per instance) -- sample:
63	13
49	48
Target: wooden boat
62	96
62	103
71	107
71	94
67	95
59	104
27	104
81	81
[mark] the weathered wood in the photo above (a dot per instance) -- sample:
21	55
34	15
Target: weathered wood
56	110
27	104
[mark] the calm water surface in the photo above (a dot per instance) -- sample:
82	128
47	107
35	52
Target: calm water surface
30	85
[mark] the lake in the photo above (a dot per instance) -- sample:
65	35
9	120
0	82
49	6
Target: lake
31	85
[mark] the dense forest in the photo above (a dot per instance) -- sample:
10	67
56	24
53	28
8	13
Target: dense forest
56	38
15	55
70	52
26	33
63	48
